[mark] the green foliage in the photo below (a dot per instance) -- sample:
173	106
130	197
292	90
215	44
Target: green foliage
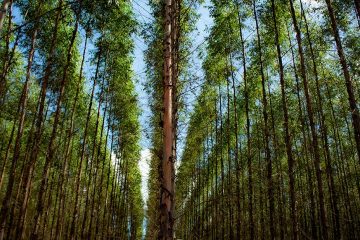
109	175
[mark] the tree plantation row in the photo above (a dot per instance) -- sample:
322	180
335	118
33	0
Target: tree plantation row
272	143
69	122
254	125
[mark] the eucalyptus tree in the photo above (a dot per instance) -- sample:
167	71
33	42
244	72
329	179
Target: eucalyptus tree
272	97
300	106
56	125
182	23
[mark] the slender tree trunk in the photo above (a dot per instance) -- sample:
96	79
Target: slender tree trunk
287	138
315	145
63	179
280	196
6	62
329	171
248	139
92	214
94	157
21	111
121	202
50	149
104	225
175	34
236	155
97	223
73	234
39	119
304	129
348	81
222	173
228	137
216	166
110	217
266	133
198	198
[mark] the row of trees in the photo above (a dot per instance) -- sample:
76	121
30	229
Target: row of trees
272	149
69	121
167	69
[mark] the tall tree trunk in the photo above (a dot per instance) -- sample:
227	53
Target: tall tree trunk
9	145
100	194
248	138
63	179
216	166
324	131
304	129
84	233
315	144
50	149
266	132
7	61
222	167
166	198
236	157
22	114
287	138
281	195
228	137
92	214
175	34
348	81
104	223
74	217
39	120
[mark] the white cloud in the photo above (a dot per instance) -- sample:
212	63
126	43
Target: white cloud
144	167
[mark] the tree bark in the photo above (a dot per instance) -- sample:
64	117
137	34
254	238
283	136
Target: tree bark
166	199
348	81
